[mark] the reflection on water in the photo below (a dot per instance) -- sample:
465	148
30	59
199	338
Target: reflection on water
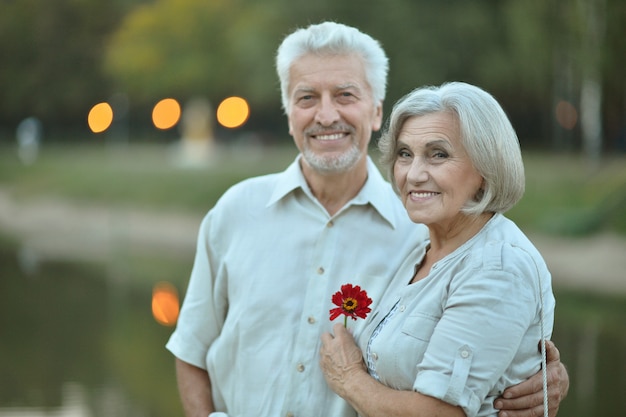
73	404
74	343
591	333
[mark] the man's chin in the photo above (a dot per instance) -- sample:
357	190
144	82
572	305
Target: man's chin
332	165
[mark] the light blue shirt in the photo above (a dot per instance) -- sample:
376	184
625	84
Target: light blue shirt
470	328
268	260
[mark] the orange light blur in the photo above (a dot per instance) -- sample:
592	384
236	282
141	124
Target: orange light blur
100	117
166	113
566	115
233	112
165	304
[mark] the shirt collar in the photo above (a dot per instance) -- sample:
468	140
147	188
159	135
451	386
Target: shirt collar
289	180
379	194
375	191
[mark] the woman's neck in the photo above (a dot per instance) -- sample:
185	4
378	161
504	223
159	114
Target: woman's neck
446	239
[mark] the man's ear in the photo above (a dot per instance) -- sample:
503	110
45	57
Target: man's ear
378	118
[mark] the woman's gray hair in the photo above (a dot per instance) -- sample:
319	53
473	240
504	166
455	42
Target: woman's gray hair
486	133
330	38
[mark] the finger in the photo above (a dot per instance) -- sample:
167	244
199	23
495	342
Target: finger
525	402
339	328
340	331
326	338
552	353
531	412
528	388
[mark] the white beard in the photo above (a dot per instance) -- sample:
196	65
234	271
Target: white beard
332	165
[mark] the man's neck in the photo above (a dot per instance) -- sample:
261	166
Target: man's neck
334	191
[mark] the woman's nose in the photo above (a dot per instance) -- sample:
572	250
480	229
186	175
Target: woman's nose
417	171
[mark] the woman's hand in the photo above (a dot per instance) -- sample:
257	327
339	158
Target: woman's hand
342	363
341	360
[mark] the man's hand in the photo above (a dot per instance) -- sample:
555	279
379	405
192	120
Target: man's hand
526	398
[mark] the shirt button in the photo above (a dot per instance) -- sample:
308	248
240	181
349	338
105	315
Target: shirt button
464	354
289	414
402	308
320	270
311	320
300	367
330	224
375	356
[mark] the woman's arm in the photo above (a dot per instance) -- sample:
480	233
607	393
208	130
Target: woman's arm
342	364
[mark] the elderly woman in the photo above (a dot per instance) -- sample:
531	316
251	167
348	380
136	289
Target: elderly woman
462	319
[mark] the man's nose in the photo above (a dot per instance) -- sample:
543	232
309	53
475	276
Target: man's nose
327	112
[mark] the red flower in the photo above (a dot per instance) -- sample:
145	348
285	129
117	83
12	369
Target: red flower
351	301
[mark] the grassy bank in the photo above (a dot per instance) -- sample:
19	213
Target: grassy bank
564	195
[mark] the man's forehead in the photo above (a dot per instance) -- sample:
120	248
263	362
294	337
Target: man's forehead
312	72
344	86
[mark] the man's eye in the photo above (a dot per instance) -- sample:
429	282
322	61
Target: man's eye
346	97
403	153
306	100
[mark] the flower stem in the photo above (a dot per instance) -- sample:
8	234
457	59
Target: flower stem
345	321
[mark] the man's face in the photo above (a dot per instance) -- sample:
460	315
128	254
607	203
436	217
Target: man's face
331	111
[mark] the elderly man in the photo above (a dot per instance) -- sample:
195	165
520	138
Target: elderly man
275	248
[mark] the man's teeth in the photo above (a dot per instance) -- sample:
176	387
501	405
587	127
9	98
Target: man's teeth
334	136
423	195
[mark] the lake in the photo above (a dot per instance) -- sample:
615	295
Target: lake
75	342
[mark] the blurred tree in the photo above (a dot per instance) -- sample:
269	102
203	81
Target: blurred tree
588	41
62	56
51	58
614	83
594	29
191	47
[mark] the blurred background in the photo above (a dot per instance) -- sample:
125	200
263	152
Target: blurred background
123	121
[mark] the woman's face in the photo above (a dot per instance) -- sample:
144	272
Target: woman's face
432	170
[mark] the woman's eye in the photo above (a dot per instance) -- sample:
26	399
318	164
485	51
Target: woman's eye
439	154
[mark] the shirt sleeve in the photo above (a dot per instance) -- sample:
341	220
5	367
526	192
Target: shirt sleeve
486	314
204	307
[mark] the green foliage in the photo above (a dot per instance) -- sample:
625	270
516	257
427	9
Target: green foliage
140	175
189	47
62	56
51	56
